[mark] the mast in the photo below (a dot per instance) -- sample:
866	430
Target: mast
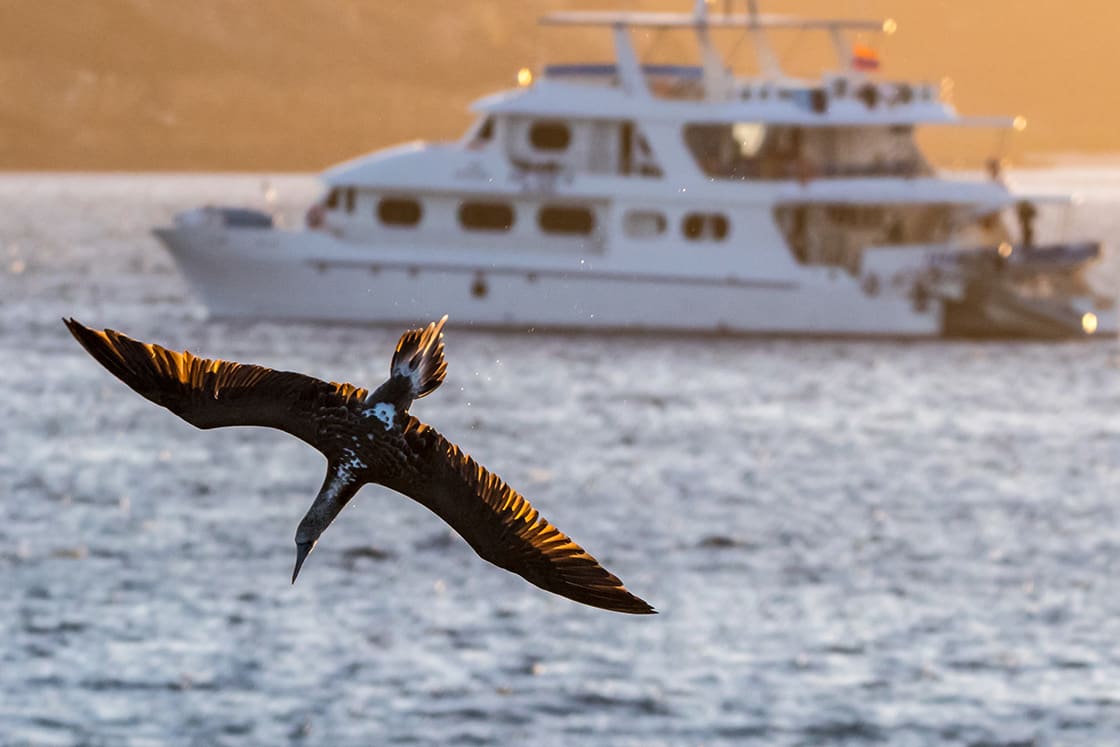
629	67
716	75
767	59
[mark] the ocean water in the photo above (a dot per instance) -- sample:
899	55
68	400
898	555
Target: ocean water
849	543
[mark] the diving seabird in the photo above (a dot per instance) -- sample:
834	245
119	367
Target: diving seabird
369	437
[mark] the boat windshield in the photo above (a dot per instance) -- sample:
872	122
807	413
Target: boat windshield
752	150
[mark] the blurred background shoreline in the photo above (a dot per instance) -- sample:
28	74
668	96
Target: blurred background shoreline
135	85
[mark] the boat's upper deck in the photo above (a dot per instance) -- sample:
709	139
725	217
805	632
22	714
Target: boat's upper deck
851	94
626	127
675	92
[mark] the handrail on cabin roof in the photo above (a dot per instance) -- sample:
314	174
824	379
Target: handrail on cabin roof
690	20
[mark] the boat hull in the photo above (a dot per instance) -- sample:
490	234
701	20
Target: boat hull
243	273
262	273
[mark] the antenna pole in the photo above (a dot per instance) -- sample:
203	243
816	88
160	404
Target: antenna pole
767	60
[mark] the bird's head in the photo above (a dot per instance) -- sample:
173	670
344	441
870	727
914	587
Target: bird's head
334	496
313	524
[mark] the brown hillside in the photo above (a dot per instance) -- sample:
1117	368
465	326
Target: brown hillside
299	84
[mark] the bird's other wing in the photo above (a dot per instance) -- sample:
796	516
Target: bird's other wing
500	524
214	393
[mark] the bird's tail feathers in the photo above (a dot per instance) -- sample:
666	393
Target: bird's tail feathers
419	359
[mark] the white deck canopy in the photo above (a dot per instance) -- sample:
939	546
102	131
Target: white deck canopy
756	24
695	20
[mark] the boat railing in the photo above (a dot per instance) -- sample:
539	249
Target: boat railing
664	81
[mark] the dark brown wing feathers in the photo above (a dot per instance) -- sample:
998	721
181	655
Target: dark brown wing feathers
213	393
502	526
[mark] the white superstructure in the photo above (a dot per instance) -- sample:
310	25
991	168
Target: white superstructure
633	196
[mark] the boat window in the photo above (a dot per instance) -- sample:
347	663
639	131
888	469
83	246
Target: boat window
486	216
729	151
635	154
693	226
836	234
818	100
350	199
719	226
644	224
748	137
626	148
399	211
482	134
332	200
486	131
550	135
566	219
869	95
699	226
749	150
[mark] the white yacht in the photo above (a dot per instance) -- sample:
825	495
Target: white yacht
625	195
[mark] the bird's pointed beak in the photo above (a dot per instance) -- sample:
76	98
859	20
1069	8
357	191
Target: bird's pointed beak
303	549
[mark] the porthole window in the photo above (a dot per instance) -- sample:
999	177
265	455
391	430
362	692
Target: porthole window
479	288
566	219
644	224
719	226
350	199
486	216
399	211
332	200
710	226
550	135
693	226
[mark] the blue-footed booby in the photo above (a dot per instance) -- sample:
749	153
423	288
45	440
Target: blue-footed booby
369	437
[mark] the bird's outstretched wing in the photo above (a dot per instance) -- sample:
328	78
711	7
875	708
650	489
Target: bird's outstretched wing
214	393
501	526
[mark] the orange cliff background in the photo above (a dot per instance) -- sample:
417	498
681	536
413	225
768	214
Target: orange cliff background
300	84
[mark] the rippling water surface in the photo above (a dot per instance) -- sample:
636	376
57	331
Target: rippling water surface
849	542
